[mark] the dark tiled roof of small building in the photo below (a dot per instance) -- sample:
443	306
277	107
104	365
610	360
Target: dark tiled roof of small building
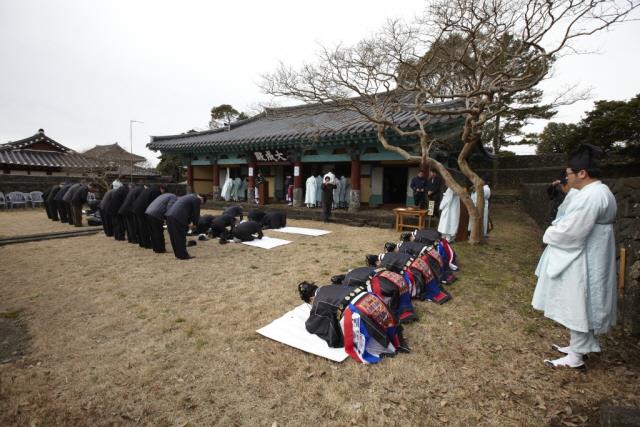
290	127
125	170
113	152
39	139
40	151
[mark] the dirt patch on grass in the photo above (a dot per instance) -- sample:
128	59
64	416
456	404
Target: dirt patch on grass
121	335
13	337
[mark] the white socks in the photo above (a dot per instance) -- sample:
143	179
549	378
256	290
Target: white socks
571	360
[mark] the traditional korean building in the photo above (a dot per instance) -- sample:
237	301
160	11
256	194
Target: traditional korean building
41	155
302	141
124	163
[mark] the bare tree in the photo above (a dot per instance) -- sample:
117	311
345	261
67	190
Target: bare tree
463	58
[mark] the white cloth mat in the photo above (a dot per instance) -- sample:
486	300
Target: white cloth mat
267	242
289	329
301	230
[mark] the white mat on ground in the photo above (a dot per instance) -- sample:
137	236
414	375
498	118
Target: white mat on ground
267	242
289	329
302	230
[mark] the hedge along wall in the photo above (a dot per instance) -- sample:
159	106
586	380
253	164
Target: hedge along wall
28	183
627	234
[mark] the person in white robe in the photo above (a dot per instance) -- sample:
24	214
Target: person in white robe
226	189
577	271
318	191
235	186
310	192
242	189
449	215
336	193
485	217
343	192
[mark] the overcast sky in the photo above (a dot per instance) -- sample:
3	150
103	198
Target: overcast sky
83	69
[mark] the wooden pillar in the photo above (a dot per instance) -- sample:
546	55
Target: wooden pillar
297	184
215	181
190	178
354	193
251	185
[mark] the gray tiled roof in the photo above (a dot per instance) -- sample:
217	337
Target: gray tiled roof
288	127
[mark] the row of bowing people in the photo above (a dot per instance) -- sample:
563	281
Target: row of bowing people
63	202
365	309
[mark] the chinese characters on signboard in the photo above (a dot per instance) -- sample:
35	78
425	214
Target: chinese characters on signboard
268	156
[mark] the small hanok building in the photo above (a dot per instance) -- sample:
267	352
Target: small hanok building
41	155
124	163
301	141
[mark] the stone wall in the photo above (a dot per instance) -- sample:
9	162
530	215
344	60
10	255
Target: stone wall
627	233
509	173
28	183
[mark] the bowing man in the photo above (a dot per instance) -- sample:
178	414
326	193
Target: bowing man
185	211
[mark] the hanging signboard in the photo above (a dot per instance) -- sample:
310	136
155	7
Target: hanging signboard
269	156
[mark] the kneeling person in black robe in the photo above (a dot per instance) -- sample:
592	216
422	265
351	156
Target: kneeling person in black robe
274	220
220	225
243	232
352	318
234	211
256	215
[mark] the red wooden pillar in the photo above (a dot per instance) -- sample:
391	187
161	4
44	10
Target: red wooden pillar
216	175
355	174
251	185
190	178
354	193
215	182
297	184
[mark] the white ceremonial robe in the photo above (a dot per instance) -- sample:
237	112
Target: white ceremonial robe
485	217
242	190
336	193
235	186
226	189
318	190
310	193
577	272
343	190
449	213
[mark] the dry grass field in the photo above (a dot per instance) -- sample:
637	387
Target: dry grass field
118	335
21	222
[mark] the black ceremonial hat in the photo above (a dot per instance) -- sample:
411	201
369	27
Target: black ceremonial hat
585	157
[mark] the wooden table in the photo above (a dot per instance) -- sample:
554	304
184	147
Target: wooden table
402	213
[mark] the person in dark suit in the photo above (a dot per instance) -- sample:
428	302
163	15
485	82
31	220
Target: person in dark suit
434	190
49	202
185	211
155	214
419	185
107	224
126	212
117	199
140	205
78	199
71	219
327	198
60	205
